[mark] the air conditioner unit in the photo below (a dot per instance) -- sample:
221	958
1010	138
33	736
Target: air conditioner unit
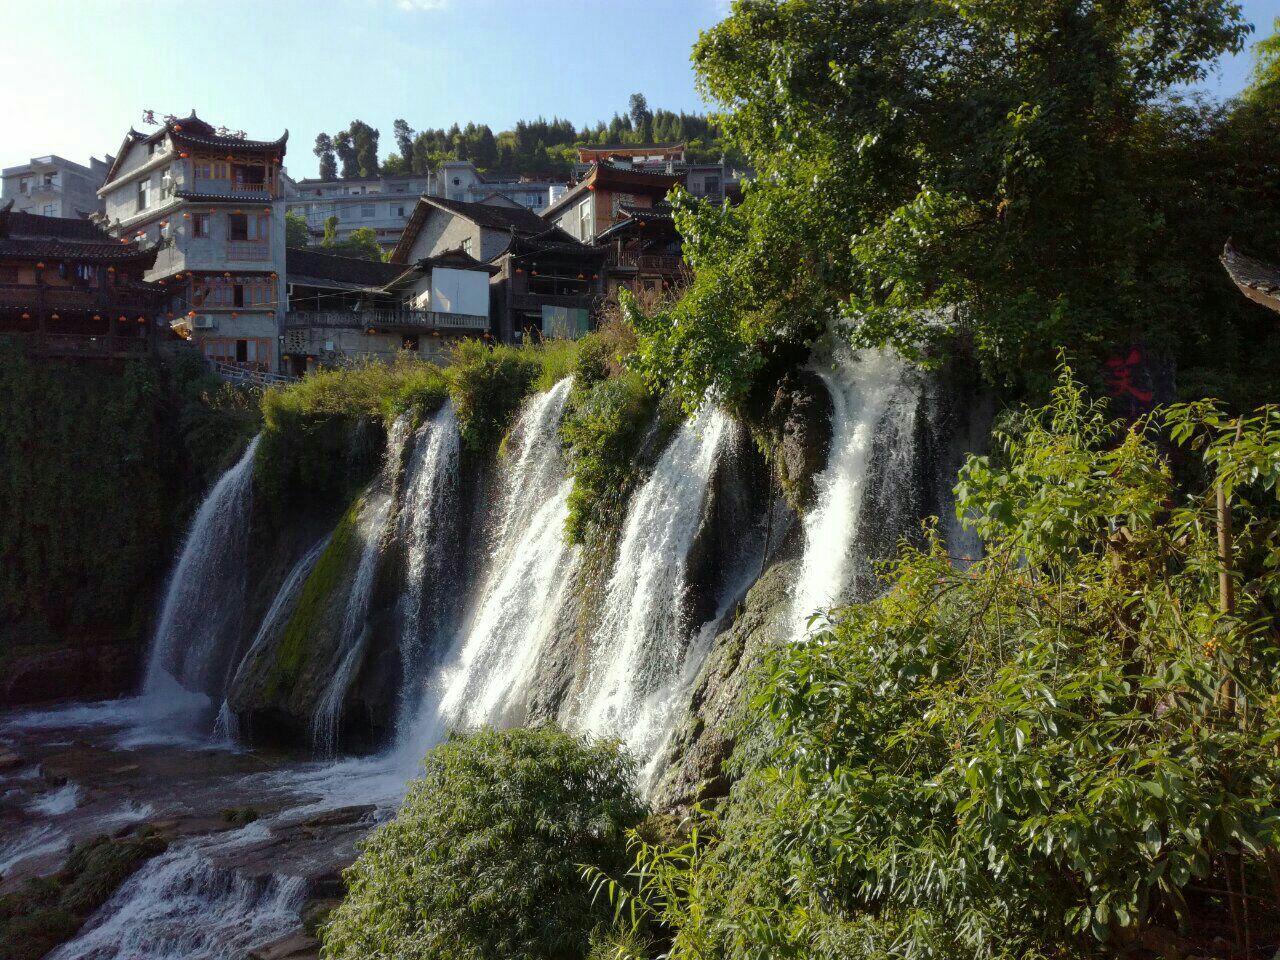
202	321
166	182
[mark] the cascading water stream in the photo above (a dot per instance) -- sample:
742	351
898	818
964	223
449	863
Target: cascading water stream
640	646
200	619
865	389
529	570
324	723
428	528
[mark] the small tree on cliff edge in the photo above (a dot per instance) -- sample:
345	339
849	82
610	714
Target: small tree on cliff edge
482	861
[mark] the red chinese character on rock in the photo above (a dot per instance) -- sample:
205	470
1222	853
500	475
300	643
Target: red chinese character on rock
1120	374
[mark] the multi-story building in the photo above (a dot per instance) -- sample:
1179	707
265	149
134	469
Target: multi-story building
382	203
714	181
546	283
343	309
604	197
460	180
212	201
67	289
53	187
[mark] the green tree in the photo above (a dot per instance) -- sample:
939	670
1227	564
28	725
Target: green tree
403	134
933	169
344	146
1264	85
395	165
328	162
296	231
1051	752
361	243
481	861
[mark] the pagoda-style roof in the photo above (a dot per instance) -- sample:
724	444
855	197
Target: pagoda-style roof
614	176
658	219
1257	280
553	242
26	236
458	259
192	132
588	152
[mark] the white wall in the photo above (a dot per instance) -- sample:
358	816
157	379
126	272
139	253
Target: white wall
460	291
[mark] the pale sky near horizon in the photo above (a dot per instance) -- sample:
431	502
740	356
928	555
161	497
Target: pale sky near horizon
80	72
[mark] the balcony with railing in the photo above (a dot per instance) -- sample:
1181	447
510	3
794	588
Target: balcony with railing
109	302
388	320
647	262
250	250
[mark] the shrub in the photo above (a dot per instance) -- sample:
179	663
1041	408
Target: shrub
1065	749
482	860
488	384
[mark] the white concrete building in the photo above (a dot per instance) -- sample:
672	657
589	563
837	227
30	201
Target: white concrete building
213	202
382	203
460	180
52	186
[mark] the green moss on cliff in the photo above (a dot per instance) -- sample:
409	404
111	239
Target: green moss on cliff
322	587
100	467
48	911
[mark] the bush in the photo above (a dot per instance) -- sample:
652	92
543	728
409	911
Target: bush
488	384
482	860
1066	749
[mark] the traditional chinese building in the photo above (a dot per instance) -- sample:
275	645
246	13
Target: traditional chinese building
67	289
644	251
342	309
211	200
543	281
1258	281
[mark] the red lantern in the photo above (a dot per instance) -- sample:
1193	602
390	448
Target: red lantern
191	313
142	319
177	126
55	317
97	316
184	155
111	269
123	318
40	265
26	316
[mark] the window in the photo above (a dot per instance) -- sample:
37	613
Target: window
48	210
711	186
144	193
201	170
399	211
24	185
585	231
200	225
466	245
242	226
221	170
366	211
49	180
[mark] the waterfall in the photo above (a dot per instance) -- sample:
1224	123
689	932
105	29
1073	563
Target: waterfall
181	906
528	571
200	619
371	526
872	409
640	647
428	530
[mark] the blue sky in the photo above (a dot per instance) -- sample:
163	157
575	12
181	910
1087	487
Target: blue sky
84	70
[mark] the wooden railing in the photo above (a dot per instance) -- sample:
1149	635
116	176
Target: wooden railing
242	186
82	345
248	374
363	319
658	263
107	302
533	301
248	250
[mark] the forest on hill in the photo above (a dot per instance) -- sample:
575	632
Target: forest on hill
538	147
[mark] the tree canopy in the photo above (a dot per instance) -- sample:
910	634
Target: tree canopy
481	861
928	171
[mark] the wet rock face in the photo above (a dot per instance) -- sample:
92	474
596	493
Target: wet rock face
705	738
799	425
75	670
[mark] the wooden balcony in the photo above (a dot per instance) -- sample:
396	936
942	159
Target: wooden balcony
648	263
388	320
536	301
110	302
72	345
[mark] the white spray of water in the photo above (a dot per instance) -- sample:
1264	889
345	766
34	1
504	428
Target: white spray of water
863	389
529	571
56	802
640	647
324	723
180	906
426	522
199	621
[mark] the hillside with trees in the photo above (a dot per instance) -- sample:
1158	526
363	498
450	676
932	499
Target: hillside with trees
538	147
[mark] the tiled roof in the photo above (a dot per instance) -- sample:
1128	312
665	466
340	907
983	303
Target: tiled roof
519	218
302	265
228	143
1257	280
30	237
550	242
194	131
246	198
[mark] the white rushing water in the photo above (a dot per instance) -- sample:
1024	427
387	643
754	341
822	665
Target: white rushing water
180	906
370	529
528	571
428	520
200	619
640	647
864	388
